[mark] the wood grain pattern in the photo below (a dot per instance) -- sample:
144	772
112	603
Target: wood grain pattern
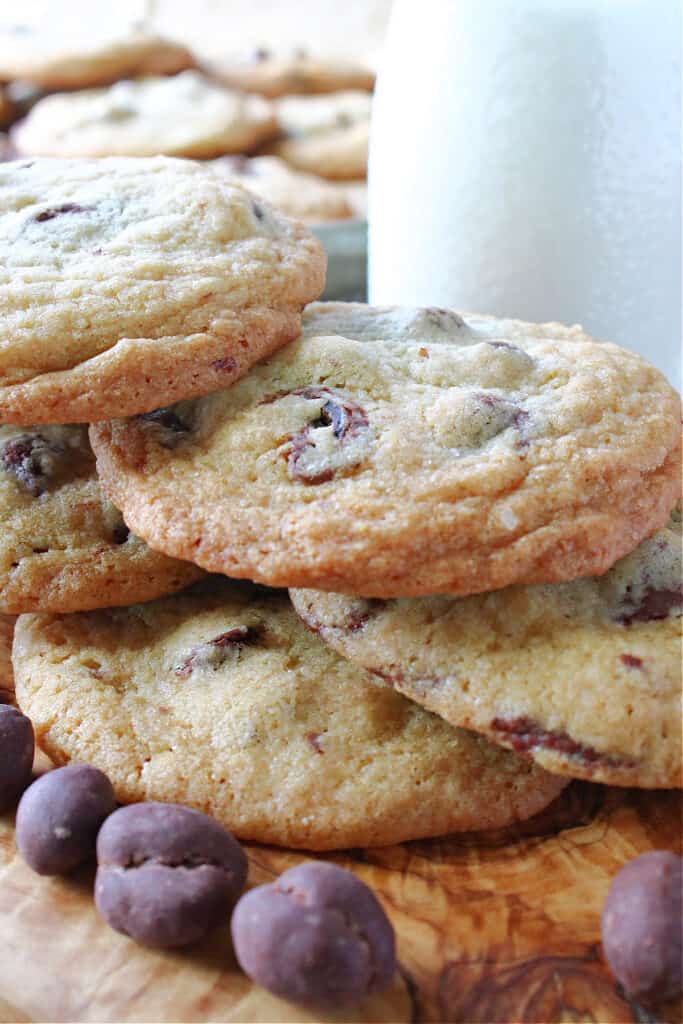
499	926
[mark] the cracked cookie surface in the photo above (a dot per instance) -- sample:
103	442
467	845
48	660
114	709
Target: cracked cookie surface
129	283
398	453
219	698
185	115
63	546
584	676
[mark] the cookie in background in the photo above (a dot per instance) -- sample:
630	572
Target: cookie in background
325	135
183	115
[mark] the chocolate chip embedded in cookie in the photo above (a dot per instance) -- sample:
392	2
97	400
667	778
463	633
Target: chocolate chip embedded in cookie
63	546
303	196
239	712
393	452
585	677
186	115
290	70
325	135
129	284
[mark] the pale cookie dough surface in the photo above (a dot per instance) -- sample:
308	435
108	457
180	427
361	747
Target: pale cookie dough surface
63	546
584	676
302	196
6	674
73	49
125	284
291	71
397	453
325	135
221	699
185	115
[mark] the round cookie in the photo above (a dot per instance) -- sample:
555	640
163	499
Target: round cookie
6	674
584	676
220	699
291	71
185	115
325	135
78	49
398	453
63	546
126	284
305	197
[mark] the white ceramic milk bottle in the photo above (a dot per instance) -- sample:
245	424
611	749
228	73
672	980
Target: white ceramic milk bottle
526	161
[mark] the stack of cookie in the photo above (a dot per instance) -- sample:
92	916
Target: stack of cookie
120	89
368	458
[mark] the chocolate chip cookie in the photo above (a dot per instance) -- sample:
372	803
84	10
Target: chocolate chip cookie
80	48
63	546
186	115
125	284
290	71
584	676
6	674
325	135
303	196
220	699
400	453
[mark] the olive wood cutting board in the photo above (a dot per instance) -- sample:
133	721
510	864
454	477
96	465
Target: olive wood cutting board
498	926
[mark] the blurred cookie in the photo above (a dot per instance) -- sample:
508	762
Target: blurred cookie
185	115
63	546
6	108
220	699
81	47
6	674
584	676
288	71
302	196
395	452
325	135
126	284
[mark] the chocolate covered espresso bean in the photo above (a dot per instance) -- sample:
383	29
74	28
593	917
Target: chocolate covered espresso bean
317	936
166	874
59	817
16	755
642	926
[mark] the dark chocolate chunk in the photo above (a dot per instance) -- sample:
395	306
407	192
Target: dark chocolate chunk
57	211
166	874
317	936
32	460
216	652
170	426
523	734
631	661
337	410
642	924
59	817
16	755
653	605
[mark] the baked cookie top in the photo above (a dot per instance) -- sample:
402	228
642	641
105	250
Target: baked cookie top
184	115
63	546
395	453
290	71
296	194
79	49
325	135
127	283
6	674
584	676
221	699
